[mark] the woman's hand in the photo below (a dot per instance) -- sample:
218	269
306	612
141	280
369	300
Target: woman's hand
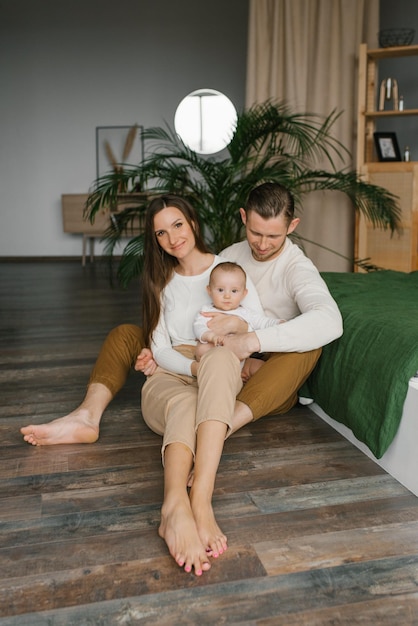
145	362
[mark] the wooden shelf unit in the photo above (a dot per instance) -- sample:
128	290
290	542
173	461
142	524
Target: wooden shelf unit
398	251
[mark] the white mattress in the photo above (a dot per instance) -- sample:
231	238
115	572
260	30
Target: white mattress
401	458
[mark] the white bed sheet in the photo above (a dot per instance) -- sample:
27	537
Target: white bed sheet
401	458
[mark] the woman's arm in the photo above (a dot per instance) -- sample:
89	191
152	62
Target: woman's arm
165	355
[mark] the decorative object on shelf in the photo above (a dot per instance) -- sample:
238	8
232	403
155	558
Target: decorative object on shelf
388	91
407	154
387	147
401	103
391	37
118	146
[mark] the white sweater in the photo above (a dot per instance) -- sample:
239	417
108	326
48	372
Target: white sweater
181	300
290	288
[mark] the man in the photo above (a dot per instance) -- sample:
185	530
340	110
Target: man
290	288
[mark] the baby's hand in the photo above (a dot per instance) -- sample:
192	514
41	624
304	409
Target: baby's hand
145	362
210	337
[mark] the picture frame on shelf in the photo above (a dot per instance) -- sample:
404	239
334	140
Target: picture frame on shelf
387	146
117	146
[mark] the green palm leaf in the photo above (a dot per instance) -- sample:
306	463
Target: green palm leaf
270	143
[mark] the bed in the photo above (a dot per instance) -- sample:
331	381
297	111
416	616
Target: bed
365	384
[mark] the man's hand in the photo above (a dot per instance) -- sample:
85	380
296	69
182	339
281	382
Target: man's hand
222	324
242	345
145	362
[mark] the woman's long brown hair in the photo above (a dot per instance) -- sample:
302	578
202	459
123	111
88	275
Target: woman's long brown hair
158	265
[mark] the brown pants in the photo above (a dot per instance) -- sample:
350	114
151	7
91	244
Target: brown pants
273	389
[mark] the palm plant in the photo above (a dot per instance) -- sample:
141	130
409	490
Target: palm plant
270	143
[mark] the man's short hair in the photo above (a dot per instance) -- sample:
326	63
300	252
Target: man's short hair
271	200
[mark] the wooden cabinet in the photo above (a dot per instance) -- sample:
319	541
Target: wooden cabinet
73	215
397	251
74	221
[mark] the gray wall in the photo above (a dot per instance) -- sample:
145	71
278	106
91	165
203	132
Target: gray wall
67	66
402	13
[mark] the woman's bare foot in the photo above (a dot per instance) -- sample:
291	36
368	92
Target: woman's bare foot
178	529
213	539
77	427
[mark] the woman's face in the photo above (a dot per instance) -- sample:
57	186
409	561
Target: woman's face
173	232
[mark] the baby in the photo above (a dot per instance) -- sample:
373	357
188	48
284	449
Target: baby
227	289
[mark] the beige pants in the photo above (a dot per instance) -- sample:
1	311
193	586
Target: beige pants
174	406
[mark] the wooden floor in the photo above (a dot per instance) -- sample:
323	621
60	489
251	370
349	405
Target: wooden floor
318	534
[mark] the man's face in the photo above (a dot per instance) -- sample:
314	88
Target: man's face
266	237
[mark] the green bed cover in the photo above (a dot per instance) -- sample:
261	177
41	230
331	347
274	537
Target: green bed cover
361	379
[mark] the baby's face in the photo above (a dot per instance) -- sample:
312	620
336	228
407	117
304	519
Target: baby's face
227	289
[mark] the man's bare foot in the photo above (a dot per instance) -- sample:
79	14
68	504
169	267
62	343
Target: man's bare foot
178	529
213	539
77	427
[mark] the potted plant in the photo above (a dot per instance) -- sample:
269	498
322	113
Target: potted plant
270	143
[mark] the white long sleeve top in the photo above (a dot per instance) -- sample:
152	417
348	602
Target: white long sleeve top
181	300
290	288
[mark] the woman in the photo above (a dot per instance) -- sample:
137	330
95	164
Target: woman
189	403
